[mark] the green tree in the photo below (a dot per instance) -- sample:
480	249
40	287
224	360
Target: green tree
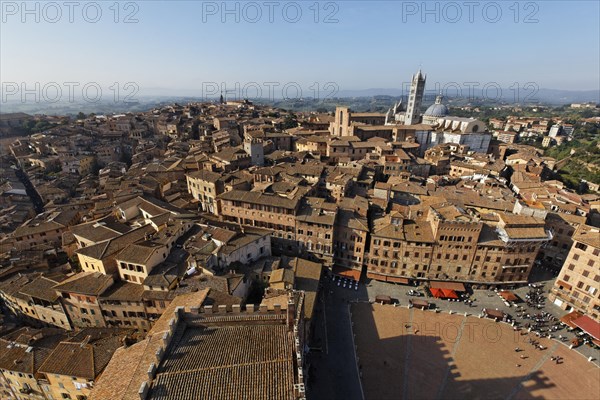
290	121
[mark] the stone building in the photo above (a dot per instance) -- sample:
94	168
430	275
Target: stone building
74	365
48	306
449	244
205	186
23	352
315	227
577	285
80	295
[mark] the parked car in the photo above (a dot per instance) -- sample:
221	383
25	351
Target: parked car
414	293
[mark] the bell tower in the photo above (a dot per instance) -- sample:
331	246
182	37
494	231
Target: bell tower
415	97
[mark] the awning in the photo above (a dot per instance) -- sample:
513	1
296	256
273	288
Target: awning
395	279
508	295
449	294
347	273
456	286
379	277
493	313
564	284
383	299
570	317
386	278
443	293
419	303
589	326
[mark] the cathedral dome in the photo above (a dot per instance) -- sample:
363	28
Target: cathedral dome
437	110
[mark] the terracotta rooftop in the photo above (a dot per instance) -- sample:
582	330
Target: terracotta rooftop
260	198
197	367
41	288
588	235
86	354
100	230
205	175
90	283
112	246
26	349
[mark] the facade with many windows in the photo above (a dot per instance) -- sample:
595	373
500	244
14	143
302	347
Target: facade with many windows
577	285
449	244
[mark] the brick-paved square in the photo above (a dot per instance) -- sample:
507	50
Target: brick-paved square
409	353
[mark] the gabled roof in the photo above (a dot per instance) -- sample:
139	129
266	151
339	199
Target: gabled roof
260	198
88	283
139	253
205	175
26	350
41	288
112	246
37	228
100	230
86	354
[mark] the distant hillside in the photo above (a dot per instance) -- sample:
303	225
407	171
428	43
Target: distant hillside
380	97
550	96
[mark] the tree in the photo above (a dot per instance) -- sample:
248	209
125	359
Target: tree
80	115
290	121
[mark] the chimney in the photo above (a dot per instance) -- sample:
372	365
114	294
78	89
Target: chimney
172	324
143	392
85	341
151	371
166	338
159	354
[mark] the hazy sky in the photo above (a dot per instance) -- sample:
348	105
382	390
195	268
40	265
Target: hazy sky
177	46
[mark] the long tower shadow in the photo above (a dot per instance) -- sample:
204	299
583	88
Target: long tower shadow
414	357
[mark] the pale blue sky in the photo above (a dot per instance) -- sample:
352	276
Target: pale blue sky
176	46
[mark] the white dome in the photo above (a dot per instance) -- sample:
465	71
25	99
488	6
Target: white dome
437	109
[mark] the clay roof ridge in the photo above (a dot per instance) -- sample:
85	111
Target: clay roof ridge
217	367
